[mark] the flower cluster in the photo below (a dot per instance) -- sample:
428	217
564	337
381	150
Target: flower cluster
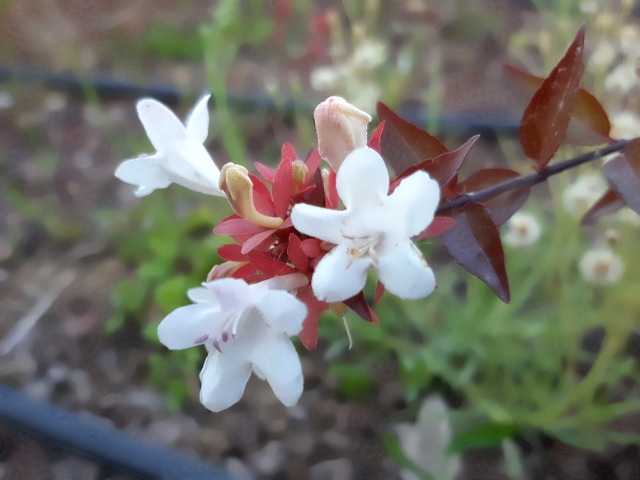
305	239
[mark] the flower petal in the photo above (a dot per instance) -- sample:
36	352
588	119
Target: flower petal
203	295
319	222
197	122
339	275
363	179
275	359
147	173
283	312
404	272
189	326
417	197
162	126
224	377
235	294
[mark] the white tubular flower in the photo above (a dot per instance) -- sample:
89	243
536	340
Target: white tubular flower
601	266
246	328
523	230
374	230
180	158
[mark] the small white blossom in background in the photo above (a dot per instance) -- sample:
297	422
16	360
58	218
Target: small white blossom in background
625	125
523	230
603	56
583	193
180	154
425	442
374	230
601	266
246	329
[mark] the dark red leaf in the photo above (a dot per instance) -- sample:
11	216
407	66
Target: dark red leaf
252	242
331	198
445	166
268	265
231	252
283	182
268	174
312	164
296	254
609	202
503	205
546	118
379	293
235	226
289	153
623	174
311	247
376	136
315	307
587	111
404	145
359	305
437	228
262	197
475	244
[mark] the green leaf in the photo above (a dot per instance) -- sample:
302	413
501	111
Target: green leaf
482	436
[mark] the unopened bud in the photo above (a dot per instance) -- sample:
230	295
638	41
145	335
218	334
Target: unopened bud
341	128
299	170
238	187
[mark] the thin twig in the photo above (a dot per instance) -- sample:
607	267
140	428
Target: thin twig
531	178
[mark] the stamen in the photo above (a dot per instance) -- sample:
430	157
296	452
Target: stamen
346	327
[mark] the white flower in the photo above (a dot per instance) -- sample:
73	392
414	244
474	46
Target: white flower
601	266
374	230
246	328
583	193
425	442
180	158
523	230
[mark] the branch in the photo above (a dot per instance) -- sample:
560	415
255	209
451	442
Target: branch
530	179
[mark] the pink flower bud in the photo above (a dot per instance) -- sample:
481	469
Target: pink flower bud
341	128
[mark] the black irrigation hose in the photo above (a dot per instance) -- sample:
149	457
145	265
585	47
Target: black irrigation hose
106	446
110	88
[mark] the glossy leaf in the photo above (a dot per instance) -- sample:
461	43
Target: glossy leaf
404	145
546	117
359	305
376	136
235	226
283	181
437	228
587	111
445	166
315	307
254	241
503	205
268	174
474	242
231	252
295	253
623	174
609	202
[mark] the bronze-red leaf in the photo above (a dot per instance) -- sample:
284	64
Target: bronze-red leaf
546	117
474	242
592	124
623	174
445	166
503	205
402	144
609	202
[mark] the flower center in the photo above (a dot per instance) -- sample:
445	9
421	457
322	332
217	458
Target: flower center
365	245
229	329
